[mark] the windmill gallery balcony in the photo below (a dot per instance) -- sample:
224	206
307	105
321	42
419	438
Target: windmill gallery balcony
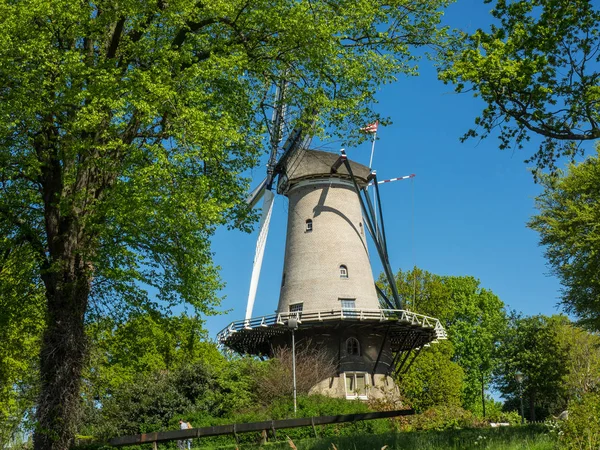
406	330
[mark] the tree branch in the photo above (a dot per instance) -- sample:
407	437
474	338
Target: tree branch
115	39
192	28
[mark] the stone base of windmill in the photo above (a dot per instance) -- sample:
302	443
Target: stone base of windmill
359	386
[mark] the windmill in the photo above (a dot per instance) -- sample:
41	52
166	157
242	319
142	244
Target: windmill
328	296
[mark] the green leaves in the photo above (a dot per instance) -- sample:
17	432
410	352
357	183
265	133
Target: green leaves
533	346
132	122
536	72
21	325
568	218
474	319
149	371
434	379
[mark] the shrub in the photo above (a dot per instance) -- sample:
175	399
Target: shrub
433	379
275	380
316	405
440	418
512	417
319	405
582	429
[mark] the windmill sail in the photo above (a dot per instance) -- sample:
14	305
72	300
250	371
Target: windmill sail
258	192
260	249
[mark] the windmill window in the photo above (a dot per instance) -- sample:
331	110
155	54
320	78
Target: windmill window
309	224
352	347
349	307
343	271
356	385
296	310
283	280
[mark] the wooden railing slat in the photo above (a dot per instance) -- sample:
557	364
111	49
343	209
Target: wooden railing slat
217	430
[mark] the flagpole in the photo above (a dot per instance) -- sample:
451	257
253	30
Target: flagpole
372	149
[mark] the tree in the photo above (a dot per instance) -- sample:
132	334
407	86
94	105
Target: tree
124	128
560	363
583	360
478	322
425	293
537	71
567	221
532	346
473	317
433	379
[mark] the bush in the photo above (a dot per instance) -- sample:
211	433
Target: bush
440	418
319	405
275	380
512	417
433	379
582	429
308	406
316	405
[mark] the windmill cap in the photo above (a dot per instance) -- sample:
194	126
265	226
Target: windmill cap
317	164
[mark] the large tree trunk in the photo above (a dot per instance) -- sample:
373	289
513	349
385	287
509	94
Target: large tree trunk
67	282
63	357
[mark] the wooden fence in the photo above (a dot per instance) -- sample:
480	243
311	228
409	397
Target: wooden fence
272	425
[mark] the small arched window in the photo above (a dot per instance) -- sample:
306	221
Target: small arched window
343	271
309	225
283	280
352	347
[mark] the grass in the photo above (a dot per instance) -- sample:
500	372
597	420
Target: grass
509	438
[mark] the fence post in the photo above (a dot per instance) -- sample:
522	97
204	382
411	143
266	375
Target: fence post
237	439
273	429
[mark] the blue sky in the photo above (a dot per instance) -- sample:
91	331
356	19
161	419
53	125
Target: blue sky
471	200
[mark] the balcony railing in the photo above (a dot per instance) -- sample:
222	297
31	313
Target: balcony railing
349	314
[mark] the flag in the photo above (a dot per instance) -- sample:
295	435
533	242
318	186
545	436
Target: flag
371	128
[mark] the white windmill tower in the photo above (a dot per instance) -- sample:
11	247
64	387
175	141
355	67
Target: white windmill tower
327	288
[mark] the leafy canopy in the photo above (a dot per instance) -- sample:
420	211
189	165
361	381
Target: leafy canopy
536	69
128	124
21	325
583	360
145	343
433	379
559	360
474	319
534	346
567	221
